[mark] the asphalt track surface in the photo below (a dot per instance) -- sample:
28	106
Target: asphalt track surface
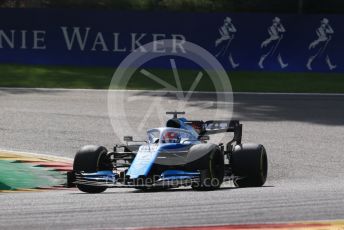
303	135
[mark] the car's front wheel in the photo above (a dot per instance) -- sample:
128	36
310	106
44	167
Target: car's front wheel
210	164
90	159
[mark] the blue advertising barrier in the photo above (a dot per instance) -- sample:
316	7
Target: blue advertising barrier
241	42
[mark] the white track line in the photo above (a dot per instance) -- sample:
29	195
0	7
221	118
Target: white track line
159	91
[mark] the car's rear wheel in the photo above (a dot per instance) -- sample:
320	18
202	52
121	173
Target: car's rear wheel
90	159
249	165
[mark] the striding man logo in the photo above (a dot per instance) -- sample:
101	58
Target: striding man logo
320	45
276	31
227	34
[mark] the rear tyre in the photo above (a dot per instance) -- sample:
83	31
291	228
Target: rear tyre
212	170
250	165
90	159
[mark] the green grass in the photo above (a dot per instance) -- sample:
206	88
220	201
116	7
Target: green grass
54	77
23	176
100	78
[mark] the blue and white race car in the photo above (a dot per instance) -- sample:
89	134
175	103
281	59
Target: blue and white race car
172	156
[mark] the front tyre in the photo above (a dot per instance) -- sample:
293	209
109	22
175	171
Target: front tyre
90	159
210	166
249	165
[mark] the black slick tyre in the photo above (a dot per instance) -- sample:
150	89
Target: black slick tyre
249	164
91	159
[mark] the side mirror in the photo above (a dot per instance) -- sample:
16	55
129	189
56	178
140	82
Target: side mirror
204	138
128	138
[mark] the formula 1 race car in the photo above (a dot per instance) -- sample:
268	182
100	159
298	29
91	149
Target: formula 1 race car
172	156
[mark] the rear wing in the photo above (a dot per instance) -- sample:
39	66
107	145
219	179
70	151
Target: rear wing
218	126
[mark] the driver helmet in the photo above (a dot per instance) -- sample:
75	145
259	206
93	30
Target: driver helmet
171	137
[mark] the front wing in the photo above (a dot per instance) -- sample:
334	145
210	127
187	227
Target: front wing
109	179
